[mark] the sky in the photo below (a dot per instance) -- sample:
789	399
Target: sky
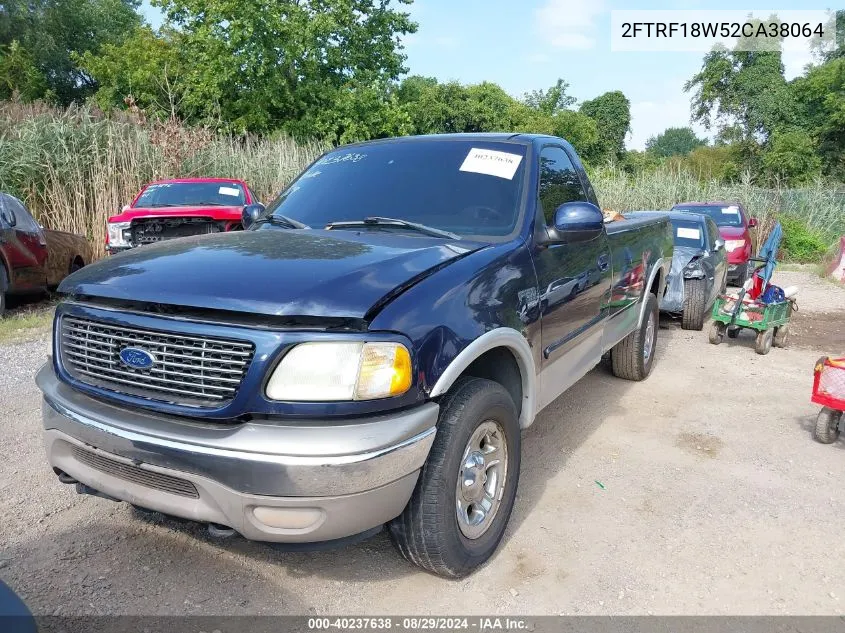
523	45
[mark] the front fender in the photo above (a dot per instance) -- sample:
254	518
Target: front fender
486	300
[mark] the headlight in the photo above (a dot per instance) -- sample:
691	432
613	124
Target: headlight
116	233
333	371
732	245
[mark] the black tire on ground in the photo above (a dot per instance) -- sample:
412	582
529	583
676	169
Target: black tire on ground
763	344
633	356
781	336
717	332
427	532
695	298
733	332
827	425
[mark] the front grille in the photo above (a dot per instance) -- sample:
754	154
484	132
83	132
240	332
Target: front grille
190	370
149	231
136	475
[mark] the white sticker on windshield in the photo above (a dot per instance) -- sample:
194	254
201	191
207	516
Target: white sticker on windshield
731	210
491	163
690	234
228	191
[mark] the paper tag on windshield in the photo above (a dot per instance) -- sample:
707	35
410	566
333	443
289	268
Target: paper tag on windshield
731	210
690	234
228	191
491	163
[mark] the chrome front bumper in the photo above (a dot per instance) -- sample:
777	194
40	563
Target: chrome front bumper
315	481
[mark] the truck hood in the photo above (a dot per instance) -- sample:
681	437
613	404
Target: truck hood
270	271
214	212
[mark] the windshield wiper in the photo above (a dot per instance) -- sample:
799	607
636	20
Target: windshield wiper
404	224
281	220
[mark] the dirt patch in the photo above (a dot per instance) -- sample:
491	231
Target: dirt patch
699	444
824	331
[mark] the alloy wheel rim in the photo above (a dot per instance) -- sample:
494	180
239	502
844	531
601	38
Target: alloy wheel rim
648	344
481	479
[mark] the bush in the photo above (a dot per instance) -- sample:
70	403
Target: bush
801	243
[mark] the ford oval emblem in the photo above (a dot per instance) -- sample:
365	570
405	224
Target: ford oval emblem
137	358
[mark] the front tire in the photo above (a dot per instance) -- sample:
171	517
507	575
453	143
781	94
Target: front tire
827	425
633	356
463	499
782	336
695	298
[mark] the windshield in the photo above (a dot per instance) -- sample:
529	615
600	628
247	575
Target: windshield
192	194
723	215
471	188
688	233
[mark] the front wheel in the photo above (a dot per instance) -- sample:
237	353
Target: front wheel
827	425
466	490
695	298
633	356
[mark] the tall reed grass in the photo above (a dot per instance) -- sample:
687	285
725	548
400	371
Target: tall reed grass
818	211
74	168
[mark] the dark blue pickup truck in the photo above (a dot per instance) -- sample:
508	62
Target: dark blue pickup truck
365	353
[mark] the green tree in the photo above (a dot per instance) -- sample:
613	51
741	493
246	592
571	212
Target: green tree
742	95
612	114
19	76
821	95
674	141
146	69
258	66
792	158
52	32
550	101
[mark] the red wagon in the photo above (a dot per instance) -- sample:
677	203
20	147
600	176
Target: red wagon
829	391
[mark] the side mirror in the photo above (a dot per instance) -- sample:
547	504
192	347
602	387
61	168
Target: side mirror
752	223
251	213
720	245
576	222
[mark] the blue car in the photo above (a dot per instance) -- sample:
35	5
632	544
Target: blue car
366	353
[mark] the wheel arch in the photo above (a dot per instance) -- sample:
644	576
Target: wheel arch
481	356
656	284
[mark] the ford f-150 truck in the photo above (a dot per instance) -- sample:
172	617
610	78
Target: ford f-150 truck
365	353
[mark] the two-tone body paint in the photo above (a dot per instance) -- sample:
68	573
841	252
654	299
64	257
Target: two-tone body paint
439	298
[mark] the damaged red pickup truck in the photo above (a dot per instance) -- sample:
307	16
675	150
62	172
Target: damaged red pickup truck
167	209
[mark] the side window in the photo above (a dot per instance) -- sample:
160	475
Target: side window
559	182
25	222
253	197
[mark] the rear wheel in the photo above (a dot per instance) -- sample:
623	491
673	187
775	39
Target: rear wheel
695	298
827	425
633	356
466	490
764	341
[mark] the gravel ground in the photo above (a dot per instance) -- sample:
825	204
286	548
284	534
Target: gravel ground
699	491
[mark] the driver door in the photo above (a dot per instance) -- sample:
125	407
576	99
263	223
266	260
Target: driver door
574	278
24	244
